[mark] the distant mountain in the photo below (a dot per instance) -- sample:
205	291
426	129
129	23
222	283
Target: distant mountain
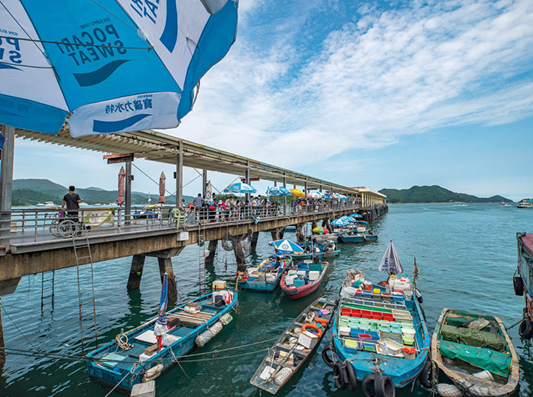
435	194
33	191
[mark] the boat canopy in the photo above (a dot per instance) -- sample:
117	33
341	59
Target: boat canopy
286	246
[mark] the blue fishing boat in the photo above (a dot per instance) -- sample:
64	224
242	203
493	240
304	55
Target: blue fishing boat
267	275
355	237
145	352
380	337
309	249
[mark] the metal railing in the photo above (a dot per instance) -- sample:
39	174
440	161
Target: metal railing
27	225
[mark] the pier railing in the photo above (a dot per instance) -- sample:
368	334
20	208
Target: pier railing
27	225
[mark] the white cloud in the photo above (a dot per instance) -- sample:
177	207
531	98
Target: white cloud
402	71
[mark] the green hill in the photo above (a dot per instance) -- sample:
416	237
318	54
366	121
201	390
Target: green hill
33	191
435	194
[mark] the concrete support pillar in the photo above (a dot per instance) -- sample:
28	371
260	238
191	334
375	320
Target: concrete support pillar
212	251
284	197
6	183
247	180
300	238
165	266
136	272
239	255
277	234
305	188
313	225
127	205
255	237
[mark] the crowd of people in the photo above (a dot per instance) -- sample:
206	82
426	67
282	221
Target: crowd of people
231	208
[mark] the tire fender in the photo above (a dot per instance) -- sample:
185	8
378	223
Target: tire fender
325	357
425	374
351	377
369	381
526	329
518	285
339	376
384	386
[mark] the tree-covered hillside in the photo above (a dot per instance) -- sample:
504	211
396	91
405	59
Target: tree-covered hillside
434	194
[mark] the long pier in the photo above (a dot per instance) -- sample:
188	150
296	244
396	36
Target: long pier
32	243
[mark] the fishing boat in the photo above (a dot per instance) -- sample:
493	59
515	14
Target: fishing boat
475	353
304	279
356	237
267	275
145	352
523	281
525	203
318	250
380	335
148	212
294	346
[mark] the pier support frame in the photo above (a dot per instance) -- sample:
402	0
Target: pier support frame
6	185
127	204
212	248
277	234
253	243
239	254
165	266
2	345
136	272
179	177
300	238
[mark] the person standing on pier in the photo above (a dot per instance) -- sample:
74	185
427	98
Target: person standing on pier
198	203
72	201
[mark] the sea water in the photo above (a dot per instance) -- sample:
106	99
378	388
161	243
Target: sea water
466	257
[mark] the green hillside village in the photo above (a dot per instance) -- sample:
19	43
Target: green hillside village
435	194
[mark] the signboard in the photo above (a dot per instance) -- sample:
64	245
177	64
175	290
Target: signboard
183	236
118	158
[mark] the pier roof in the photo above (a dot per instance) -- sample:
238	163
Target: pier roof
163	148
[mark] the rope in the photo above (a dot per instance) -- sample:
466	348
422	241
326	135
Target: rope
153	180
518	322
18	329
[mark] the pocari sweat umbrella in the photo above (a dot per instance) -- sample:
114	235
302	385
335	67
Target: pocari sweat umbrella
340	222
121	178
162	189
348	219
286	246
240	187
112	66
391	262
278	191
356	216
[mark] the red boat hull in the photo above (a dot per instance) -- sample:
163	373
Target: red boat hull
300	292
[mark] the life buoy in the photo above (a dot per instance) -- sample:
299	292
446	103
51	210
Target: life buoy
368	385
339	376
384	386
305	326
322	321
229	297
426	374
351	377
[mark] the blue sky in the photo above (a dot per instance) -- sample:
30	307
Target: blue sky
382	94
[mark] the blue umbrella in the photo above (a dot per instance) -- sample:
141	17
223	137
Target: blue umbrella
340	222
391	262
363	222
278	191
356	216
286	246
163	302
348	219
240	187
108	66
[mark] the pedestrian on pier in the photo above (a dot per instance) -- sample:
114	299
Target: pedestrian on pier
72	201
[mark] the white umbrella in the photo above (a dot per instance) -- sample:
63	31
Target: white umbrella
391	262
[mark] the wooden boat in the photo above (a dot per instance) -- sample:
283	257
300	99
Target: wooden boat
129	363
476	353
357	237
266	276
320	254
304	279
381	331
289	354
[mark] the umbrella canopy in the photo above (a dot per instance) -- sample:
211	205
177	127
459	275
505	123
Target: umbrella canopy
163	302
278	191
162	189
240	187
391	262
121	187
363	222
356	216
314	195
297	192
342	196
340	222
348	219
286	246
112	66
321	229
327	196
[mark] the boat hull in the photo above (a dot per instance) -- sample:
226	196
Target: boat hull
301	292
310	255
357	239
110	377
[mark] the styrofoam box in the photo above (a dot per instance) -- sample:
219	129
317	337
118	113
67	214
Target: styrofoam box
143	389
301	272
291	272
314	275
344	331
308	340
